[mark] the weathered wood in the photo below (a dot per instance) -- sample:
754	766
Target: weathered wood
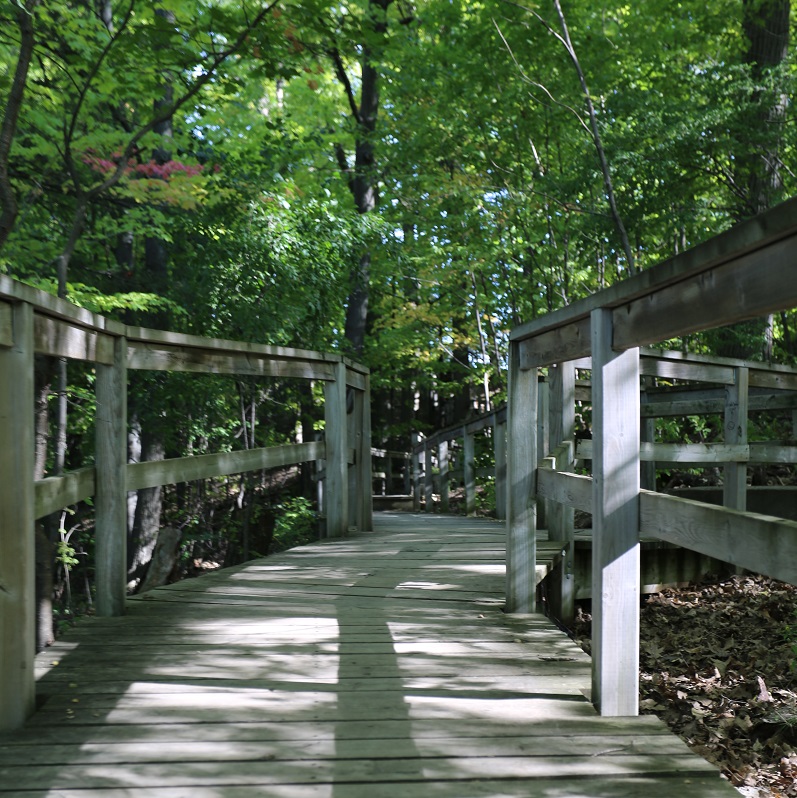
209	361
17	549
346	697
759	543
734	479
568	342
560	517
49	305
733	276
521	524
746	287
686	370
6	325
416	473
110	477
572	490
150	474
63	339
365	518
683	453
615	523
647	434
336	494
428	475
53	493
703	407
499	453
469	468
141	337
442	459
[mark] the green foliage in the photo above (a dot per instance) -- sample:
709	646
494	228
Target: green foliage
295	525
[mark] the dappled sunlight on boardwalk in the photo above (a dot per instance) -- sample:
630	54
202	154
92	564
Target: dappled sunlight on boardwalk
380	665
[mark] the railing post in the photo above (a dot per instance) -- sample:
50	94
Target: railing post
428	476
543	445
469	471
110	498
415	460
17	522
561	518
336	493
615	522
442	457
364	499
648	435
521	525
734	481
499	450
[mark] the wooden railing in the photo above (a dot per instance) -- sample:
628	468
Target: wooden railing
31	323
434	452
748	272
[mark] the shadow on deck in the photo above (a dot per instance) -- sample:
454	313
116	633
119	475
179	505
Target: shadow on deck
380	665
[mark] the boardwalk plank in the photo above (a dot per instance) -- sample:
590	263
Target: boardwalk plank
380	666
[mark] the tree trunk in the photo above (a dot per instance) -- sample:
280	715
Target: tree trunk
758	179
766	25
146	523
363	182
13	106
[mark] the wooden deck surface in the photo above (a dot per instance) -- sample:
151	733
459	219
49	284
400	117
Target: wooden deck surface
380	666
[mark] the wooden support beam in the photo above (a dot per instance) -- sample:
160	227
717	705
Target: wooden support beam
469	467
17	546
521	522
6	324
111	487
442	459
647	434
428	476
365	521
734	481
336	494
499	452
615	523
568	342
416	473
562	414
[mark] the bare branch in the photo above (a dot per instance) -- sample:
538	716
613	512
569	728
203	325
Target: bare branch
340	72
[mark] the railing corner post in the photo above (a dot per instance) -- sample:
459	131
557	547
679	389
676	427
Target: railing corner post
336	494
615	522
17	524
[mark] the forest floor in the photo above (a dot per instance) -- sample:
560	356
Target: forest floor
718	664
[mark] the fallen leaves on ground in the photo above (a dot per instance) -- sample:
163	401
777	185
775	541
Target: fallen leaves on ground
718	665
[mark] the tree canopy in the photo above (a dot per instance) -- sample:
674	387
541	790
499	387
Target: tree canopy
401	180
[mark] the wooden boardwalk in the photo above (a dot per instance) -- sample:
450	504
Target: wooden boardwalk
380	666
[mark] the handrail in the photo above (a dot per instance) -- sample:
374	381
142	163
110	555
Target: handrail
33	322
